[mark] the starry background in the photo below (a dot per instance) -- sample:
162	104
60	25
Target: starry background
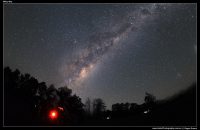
116	52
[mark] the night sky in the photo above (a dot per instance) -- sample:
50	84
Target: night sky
116	52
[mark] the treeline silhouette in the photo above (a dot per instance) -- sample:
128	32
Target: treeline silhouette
28	103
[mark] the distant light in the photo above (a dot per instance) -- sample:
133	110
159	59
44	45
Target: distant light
61	108
108	118
147	111
53	114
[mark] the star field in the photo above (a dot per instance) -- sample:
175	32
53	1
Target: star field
116	52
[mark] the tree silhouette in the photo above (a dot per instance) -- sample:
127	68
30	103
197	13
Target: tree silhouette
116	107
126	106
28	102
98	107
73	107
19	97
88	106
149	98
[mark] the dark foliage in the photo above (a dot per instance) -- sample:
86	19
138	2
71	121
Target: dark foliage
28	103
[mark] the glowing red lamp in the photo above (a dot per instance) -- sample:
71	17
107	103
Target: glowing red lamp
53	114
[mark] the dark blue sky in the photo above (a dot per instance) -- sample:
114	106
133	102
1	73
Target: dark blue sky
116	52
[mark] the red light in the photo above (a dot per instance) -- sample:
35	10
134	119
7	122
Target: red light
53	114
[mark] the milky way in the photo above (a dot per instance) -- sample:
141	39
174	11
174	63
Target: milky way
101	43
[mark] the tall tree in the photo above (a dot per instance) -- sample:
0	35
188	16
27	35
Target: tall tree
88	106
98	107
149	100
